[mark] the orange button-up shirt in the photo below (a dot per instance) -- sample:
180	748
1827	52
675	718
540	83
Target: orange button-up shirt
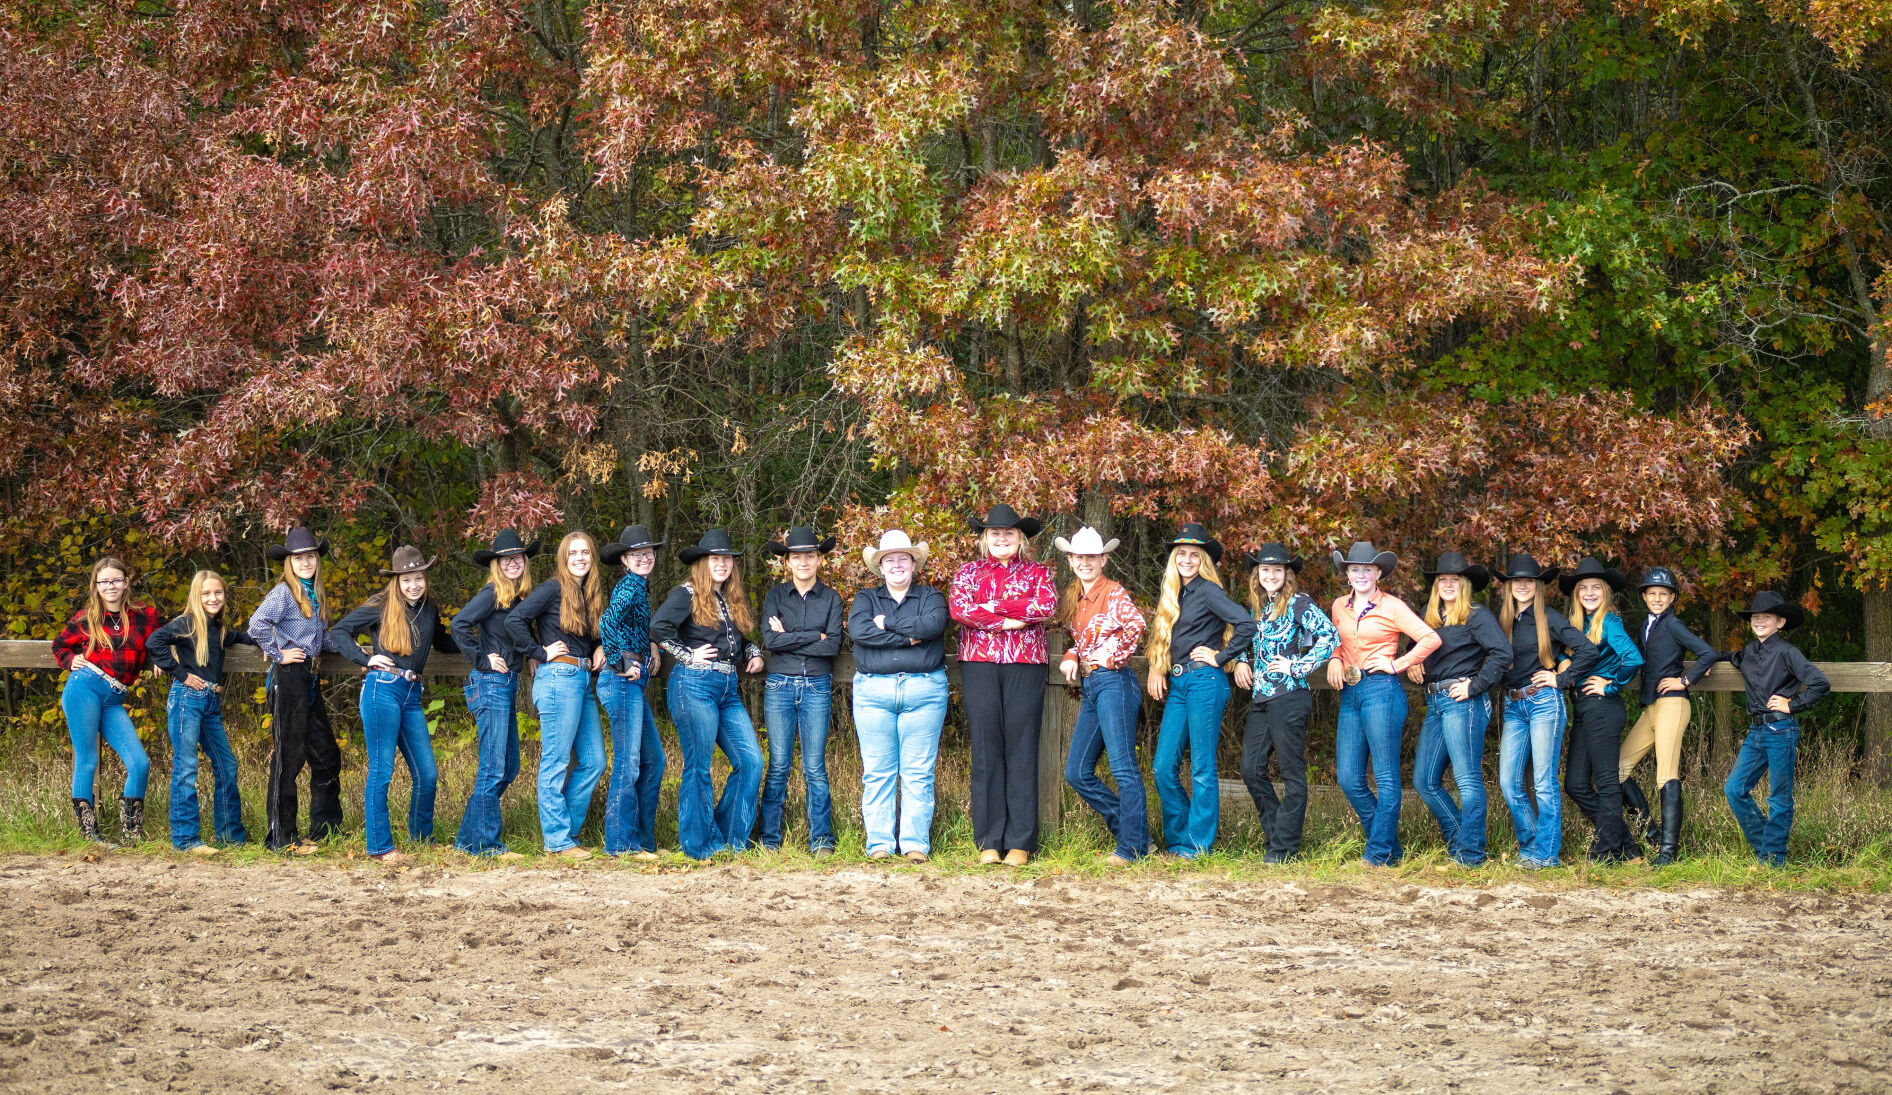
1370	635
1106	626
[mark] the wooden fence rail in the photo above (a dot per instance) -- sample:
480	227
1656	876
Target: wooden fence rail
1060	711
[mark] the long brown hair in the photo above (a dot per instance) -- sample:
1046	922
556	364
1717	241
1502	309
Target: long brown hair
1540	613
95	612
295	589
1277	602
580	600
703	596
1169	606
393	632
199	629
507	592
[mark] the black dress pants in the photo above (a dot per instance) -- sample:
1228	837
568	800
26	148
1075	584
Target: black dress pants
1004	707
299	723
1596	737
1277	727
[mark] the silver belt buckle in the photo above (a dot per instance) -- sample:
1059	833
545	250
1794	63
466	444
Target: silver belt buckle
1177	670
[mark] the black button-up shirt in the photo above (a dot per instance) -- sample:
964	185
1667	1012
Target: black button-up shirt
539	610
1775	667
674	628
423	628
1476	650
1565	641
1204	609
479	629
173	650
921	615
812	628
1664	639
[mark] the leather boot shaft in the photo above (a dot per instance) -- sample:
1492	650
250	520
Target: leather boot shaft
131	818
1671	823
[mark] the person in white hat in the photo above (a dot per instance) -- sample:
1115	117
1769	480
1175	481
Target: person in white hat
1105	627
899	633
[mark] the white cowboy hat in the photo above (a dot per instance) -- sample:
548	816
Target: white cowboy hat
1085	542
891	541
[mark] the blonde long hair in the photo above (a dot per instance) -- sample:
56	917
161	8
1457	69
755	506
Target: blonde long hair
1540	615
1591	626
95	611
507	592
1169	606
1277	603
199	626
703	596
295	588
1457	610
393	632
580	600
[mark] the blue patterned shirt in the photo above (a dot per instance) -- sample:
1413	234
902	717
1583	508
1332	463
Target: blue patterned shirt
1280	637
625	626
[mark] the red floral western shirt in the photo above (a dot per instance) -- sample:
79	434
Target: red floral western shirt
986	593
124	656
1106	627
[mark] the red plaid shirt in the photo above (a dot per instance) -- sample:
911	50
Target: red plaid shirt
986	593
123	657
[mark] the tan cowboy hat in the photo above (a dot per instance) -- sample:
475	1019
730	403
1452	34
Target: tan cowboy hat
1086	541
895	540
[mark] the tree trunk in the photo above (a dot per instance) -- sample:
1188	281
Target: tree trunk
1878	726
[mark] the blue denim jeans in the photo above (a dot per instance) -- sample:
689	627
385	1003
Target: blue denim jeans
1767	749
391	722
898	717
1107	725
194	719
1534	736
1192	717
1454	732
490	697
637	765
1372	721
94	710
707	708
571	751
798	707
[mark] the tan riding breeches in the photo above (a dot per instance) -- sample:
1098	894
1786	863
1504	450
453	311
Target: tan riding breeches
1660	728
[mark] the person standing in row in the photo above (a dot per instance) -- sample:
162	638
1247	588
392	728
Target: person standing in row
1002	601
1105	627
1458	677
1372	701
402	623
1198	629
1541	638
899	630
630	661
1780	684
291	628
190	648
1665	711
102	648
1293	638
1596	723
565	614
803	621
492	688
703	624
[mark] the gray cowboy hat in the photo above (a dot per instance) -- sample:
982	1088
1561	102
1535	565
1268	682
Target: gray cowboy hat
631	539
299	540
1366	555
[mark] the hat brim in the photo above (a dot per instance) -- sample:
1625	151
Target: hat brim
1212	546
1612	577
1385	560
1066	547
1477	575
692	554
778	548
1293	563
1548	574
1792	613
421	569
615	550
1029	526
279	552
871	556
1670	586
486	555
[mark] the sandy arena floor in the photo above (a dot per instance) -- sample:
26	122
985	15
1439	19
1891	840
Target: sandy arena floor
142	974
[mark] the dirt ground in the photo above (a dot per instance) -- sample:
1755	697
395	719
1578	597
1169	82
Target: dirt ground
149	975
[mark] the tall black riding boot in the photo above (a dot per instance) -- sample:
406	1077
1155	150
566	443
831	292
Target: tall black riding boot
131	818
1671	823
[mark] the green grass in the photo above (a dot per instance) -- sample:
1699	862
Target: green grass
1842	837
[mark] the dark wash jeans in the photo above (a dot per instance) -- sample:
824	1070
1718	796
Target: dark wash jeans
707	707
1454	733
797	707
1769	749
1107	725
491	697
637	765
194	720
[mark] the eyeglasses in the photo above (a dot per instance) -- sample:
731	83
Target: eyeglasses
111	583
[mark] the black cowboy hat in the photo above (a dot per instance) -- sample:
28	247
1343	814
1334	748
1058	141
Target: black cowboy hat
801	538
506	543
1194	535
1274	554
1523	566
1451	562
1004	516
1769	601
1364	554
1659	578
299	540
1590	568
408	560
631	539
714	542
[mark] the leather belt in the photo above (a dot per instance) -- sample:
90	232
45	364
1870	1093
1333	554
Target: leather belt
407	675
1444	686
1189	666
567	659
1771	719
1524	693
